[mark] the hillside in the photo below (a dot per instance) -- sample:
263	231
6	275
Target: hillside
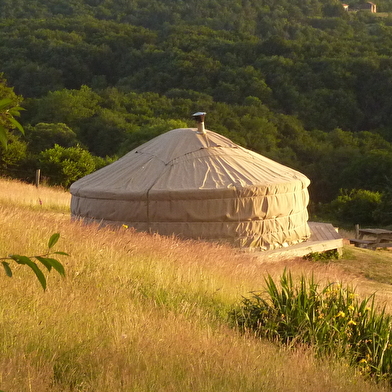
302	82
138	312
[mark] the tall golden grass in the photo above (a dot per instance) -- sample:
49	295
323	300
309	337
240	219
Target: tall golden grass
140	312
43	198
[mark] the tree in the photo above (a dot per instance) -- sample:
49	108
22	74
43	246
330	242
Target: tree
7	112
146	133
12	154
369	171
9	109
64	106
44	136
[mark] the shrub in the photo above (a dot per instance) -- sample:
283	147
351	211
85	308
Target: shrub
66	165
356	206
331	319
327	256
383	212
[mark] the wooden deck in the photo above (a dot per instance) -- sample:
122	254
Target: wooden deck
324	237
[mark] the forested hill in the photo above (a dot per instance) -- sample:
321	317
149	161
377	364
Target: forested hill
238	15
302	81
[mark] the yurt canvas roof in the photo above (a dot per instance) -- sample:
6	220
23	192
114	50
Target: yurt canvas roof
198	185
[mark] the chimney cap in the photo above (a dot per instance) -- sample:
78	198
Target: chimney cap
199	116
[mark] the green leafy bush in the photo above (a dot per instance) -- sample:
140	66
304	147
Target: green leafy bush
383	212
332	319
356	206
66	165
328	255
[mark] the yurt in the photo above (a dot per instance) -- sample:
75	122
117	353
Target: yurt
194	183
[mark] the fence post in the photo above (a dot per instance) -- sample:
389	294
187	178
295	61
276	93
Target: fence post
37	177
356	231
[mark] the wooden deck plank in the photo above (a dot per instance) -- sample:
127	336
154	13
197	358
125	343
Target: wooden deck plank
329	231
316	235
323	237
300	250
323	231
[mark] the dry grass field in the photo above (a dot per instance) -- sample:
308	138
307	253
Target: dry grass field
139	312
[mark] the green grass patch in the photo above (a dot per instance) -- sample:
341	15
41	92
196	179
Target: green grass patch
375	266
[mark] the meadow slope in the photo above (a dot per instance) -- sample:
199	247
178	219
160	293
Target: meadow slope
139	312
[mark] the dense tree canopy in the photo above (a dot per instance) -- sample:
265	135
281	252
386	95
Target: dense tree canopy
302	81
